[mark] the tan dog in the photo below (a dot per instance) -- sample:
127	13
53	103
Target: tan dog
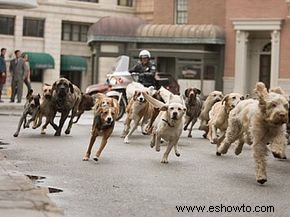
167	126
138	109
219	115
212	98
263	122
46	109
103	125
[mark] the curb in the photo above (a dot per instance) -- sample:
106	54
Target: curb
20	197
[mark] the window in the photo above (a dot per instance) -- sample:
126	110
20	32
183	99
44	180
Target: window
127	3
7	25
74	31
36	75
33	27
94	1
181	11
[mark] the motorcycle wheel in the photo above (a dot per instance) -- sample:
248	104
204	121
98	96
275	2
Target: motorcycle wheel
122	110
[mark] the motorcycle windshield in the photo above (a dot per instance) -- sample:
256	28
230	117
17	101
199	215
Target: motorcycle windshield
121	66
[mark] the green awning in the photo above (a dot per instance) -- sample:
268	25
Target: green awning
40	60
73	63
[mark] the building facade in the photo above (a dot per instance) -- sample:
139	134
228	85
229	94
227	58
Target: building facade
55	37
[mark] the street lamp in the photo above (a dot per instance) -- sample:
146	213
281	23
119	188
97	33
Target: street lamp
18	4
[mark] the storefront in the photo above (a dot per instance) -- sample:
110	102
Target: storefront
193	54
72	68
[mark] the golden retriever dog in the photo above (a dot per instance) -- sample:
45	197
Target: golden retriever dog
218	116
212	98
103	125
138	109
167	126
46	109
66	98
259	122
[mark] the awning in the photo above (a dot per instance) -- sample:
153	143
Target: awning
134	29
73	63
18	4
40	60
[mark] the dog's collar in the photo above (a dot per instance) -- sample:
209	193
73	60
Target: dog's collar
167	122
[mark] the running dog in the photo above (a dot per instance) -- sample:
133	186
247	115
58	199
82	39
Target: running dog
193	105
103	125
260	122
31	108
167	126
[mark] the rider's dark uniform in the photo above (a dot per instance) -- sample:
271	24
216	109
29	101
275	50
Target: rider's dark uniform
146	73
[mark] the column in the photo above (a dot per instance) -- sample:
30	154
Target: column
275	53
241	62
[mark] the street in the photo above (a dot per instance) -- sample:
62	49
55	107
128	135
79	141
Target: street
129	180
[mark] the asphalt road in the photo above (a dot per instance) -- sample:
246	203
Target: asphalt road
129	179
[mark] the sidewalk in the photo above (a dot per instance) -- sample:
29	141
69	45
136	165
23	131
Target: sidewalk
8	108
20	198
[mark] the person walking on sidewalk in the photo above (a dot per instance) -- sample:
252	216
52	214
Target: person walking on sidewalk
18	72
27	80
2	71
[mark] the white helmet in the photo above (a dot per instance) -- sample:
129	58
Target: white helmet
145	53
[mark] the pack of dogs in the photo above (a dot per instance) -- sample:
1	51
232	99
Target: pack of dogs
225	119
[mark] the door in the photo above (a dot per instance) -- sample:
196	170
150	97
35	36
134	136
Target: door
265	69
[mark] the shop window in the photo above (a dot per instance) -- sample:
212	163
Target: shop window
36	75
7	25
126	3
190	71
209	72
74	31
33	27
181	11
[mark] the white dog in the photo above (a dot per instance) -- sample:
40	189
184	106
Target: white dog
168	125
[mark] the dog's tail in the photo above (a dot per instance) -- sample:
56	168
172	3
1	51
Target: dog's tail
154	102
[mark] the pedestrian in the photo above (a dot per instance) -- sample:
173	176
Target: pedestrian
2	71
18	72
145	68
27	79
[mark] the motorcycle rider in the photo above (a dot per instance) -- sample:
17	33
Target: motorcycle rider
145	69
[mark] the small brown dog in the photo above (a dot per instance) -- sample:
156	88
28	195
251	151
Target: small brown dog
86	104
103	125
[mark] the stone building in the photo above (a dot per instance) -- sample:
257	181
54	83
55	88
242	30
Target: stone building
55	36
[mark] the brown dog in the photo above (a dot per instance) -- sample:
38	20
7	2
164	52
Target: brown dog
86	104
193	105
66	97
103	125
31	108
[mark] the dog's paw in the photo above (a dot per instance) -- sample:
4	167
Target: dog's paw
42	132
152	144
157	148
164	161
126	140
96	158
177	154
57	134
67	131
189	136
145	133
204	136
238	151
15	134
218	153
261	181
85	158
215	141
279	155
185	128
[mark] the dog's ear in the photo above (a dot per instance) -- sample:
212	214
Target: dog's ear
186	92
164	108
36	100
197	91
135	95
54	86
71	87
261	90
225	99
29	94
